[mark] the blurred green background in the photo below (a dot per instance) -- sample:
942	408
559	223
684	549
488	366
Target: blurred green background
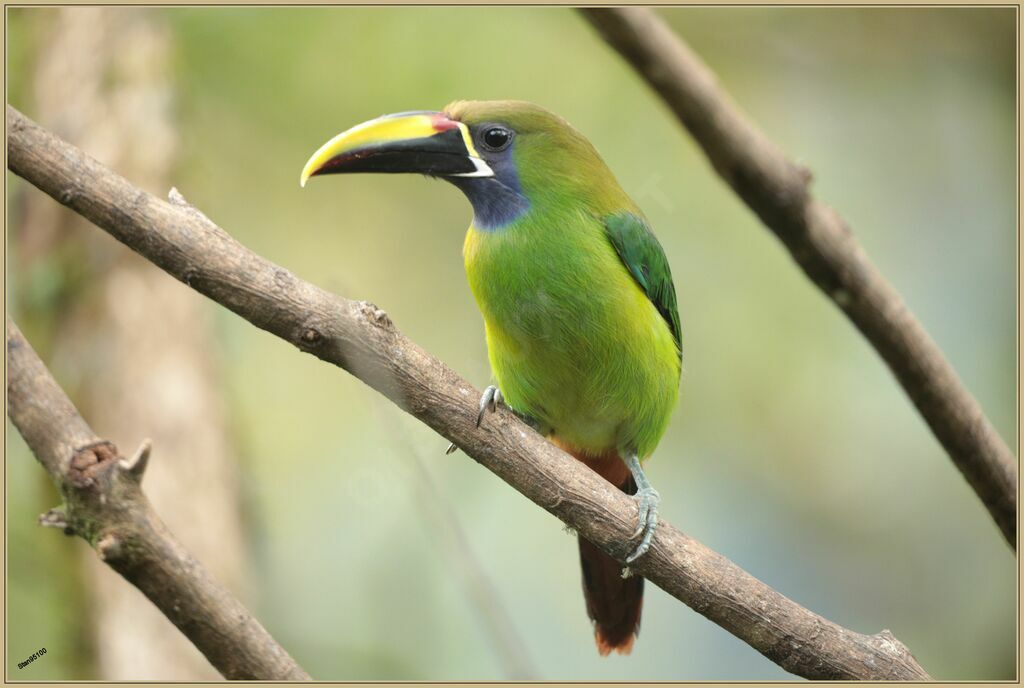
792	452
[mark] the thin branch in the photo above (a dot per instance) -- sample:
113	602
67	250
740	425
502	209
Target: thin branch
481	592
105	505
821	243
360	338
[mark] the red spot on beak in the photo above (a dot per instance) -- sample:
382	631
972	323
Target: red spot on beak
442	123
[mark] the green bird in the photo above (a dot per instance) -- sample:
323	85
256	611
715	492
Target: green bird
579	307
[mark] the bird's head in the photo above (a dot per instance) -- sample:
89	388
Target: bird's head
507	156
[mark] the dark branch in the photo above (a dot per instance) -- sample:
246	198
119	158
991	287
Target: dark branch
360	338
822	244
105	505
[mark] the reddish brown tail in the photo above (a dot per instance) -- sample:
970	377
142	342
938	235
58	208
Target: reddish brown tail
613	602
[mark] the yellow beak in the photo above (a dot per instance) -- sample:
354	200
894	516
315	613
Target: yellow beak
422	142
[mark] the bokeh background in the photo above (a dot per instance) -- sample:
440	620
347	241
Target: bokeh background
366	551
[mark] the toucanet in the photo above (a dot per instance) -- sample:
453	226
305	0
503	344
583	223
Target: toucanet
577	298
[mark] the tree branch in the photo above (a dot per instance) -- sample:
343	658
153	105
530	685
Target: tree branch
105	505
360	338
822	244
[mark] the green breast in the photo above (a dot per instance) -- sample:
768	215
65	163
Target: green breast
572	339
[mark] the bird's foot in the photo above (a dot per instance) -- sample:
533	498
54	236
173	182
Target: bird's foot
488	402
647	501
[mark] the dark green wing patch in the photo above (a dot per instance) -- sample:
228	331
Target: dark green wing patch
643	256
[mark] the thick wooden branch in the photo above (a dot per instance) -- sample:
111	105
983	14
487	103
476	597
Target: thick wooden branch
360	338
105	505
821	243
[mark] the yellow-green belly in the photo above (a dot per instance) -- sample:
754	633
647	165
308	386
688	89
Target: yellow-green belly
572	339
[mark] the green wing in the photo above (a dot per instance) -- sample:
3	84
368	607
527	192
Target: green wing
643	256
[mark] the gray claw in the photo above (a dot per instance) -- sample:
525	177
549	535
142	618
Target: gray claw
488	402
647	504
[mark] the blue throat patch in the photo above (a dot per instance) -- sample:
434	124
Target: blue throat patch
497	201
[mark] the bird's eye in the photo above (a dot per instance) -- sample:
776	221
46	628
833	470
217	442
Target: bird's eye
497	138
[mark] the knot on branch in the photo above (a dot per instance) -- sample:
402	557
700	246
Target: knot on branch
68	195
190	275
91	461
56	518
376	316
109	547
310	337
891	645
175	198
284	279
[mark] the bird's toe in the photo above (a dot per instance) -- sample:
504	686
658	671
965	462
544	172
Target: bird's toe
647	504
489	401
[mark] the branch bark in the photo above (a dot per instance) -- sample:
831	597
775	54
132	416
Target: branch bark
110	89
821	243
105	505
360	338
